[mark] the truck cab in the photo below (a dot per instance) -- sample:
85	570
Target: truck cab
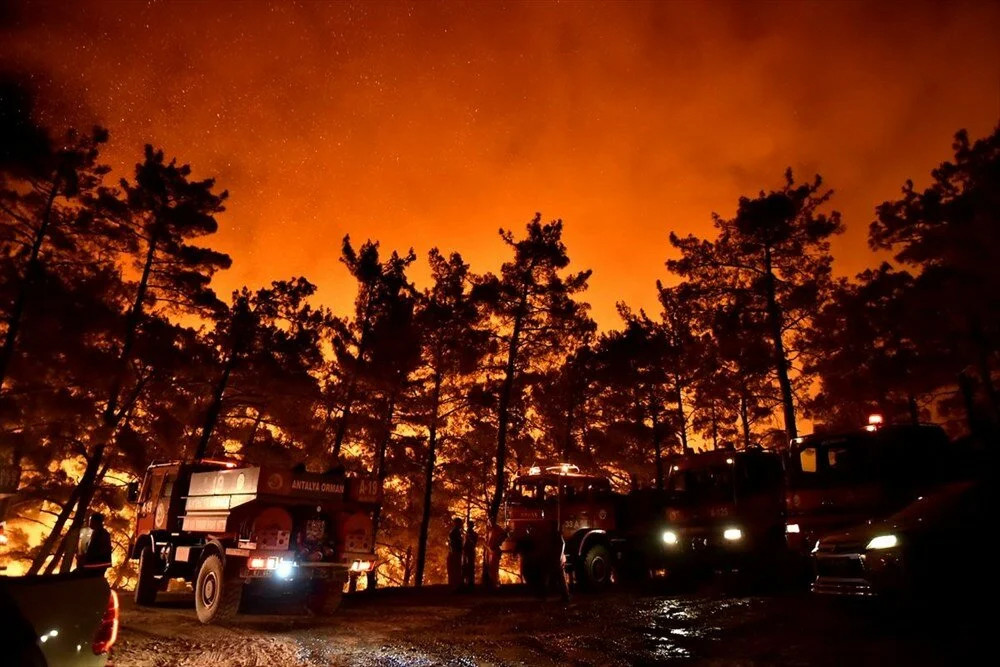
561	501
725	511
838	480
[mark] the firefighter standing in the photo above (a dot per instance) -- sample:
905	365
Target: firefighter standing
469	556
495	539
97	551
455	554
553	559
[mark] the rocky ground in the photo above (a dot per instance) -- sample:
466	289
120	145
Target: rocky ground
434	627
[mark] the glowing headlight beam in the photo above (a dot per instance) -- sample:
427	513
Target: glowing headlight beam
669	537
883	542
732	534
284	569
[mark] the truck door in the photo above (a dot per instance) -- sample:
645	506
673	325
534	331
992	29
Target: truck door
154	499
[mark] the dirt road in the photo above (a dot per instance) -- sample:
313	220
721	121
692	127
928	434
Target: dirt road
433	627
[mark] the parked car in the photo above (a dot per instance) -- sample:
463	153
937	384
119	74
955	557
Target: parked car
53	620
933	546
58	620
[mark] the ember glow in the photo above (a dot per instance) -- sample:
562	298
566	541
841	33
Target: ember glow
434	124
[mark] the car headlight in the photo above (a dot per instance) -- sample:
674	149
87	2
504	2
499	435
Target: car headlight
792	528
669	537
883	542
732	534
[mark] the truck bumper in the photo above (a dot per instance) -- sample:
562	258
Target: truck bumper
283	566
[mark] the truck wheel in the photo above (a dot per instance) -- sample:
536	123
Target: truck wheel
146	584
596	567
326	597
216	597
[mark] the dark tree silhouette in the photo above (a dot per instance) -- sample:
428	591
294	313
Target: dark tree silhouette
162	211
268	343
45	187
535	316
948	232
452	348
776	254
638	390
381	284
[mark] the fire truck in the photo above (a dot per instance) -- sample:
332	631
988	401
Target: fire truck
233	530
839	480
725	513
581	507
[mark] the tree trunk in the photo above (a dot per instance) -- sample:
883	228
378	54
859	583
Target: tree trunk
503	416
21	300
969	400
50	540
503	423
131	329
776	324
381	474
657	449
745	419
215	409
253	429
345	416
352	386
715	427
408	566
681	416
429	463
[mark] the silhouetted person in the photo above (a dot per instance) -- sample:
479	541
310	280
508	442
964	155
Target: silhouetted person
455	554
97	554
494	540
469	556
553	562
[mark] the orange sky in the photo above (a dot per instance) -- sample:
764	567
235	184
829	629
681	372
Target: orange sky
429	124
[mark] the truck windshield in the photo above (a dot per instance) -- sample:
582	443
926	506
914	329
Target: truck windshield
533	491
841	460
538	490
711	484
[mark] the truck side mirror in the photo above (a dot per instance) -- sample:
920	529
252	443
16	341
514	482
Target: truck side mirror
132	492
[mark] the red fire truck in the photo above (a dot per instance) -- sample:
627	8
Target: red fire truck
581	507
725	513
839	480
232	529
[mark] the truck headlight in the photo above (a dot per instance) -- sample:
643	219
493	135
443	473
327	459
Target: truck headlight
732	534
883	542
361	566
669	537
284	569
792	528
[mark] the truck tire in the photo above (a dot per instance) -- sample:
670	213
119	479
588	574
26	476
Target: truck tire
216	597
595	568
325	597
146	584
